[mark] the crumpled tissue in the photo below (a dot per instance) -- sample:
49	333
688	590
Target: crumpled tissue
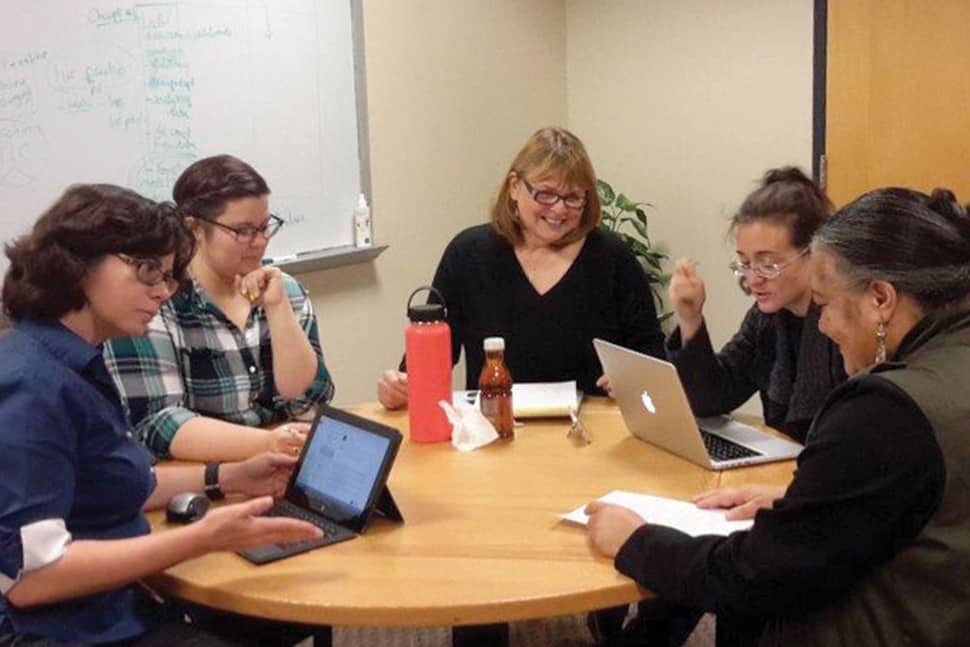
469	428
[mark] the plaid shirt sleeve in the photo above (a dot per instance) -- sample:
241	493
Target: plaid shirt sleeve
147	374
322	387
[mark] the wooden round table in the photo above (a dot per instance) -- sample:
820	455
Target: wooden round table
482	540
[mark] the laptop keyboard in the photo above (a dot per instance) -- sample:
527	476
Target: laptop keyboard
722	449
286	509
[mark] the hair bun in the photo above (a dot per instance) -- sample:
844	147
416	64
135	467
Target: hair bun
944	202
786	174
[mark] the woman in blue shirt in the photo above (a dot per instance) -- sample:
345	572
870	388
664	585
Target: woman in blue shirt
74	541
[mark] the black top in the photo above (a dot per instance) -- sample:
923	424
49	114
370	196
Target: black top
548	337
782	357
868	481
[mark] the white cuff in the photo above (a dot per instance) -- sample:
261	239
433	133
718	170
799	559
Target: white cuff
44	542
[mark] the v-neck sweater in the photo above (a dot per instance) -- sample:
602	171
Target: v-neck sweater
548	337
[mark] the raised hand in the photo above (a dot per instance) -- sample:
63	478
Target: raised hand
687	296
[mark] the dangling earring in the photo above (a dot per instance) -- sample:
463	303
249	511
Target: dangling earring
881	342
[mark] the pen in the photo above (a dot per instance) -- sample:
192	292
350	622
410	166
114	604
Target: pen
276	260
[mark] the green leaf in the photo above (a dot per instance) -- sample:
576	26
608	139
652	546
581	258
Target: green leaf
625	204
605	191
641	216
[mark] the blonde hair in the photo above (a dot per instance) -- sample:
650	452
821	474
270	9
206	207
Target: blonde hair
548	153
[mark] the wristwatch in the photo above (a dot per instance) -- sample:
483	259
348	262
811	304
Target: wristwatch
212	489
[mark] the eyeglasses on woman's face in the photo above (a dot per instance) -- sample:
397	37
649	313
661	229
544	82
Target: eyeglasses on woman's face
246	234
549	198
766	270
149	272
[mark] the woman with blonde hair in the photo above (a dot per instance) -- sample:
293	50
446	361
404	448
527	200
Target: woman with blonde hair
542	276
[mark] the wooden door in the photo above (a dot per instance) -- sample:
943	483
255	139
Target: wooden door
898	96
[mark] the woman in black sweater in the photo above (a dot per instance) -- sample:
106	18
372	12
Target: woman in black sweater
870	543
542	276
778	352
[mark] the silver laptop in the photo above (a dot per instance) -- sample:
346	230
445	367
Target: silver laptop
655	409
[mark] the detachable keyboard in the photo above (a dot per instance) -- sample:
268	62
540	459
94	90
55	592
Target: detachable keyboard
722	449
332	533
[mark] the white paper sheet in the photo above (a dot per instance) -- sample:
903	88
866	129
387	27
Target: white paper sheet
682	515
531	399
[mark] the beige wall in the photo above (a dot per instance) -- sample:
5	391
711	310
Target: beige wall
681	103
684	103
454	89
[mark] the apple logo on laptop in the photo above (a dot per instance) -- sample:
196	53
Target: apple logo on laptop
647	402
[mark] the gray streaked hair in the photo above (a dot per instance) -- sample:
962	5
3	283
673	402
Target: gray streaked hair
919	243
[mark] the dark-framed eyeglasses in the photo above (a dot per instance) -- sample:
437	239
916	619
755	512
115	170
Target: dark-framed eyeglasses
764	270
246	233
150	272
549	198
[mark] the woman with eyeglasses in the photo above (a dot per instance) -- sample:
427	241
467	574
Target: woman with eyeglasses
542	276
235	355
74	542
870	543
778	352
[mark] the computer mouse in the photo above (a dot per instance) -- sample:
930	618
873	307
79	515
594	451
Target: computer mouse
186	507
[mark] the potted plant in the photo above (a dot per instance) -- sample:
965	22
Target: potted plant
628	220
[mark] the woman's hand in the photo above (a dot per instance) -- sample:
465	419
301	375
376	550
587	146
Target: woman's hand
687	296
610	526
392	389
741	502
288	438
239	526
261	475
263	285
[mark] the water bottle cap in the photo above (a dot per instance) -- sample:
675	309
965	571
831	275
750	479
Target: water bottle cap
425	312
494	343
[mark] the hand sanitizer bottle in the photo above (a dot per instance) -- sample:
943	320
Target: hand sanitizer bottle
362	234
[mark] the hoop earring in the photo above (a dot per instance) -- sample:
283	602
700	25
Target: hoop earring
881	342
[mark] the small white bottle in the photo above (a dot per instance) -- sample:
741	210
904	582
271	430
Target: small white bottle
362	234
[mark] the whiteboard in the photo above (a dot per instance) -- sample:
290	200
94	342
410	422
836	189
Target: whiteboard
131	92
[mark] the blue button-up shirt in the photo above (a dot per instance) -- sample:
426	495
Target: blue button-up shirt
66	453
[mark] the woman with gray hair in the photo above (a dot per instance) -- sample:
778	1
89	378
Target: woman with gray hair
870	543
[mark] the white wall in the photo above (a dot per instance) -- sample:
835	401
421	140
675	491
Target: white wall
454	89
685	104
681	103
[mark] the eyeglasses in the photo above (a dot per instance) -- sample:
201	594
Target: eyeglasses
549	198
764	270
150	272
246	234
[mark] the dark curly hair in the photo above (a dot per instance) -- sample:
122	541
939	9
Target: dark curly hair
86	223
204	188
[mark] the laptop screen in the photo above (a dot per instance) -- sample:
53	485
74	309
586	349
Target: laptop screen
341	465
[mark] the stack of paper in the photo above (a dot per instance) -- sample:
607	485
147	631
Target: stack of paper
681	515
532	399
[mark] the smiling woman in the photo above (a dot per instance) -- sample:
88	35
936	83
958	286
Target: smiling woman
542	276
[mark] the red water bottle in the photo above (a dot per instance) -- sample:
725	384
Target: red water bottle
427	344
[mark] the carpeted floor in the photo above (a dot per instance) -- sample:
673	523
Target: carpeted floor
563	631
